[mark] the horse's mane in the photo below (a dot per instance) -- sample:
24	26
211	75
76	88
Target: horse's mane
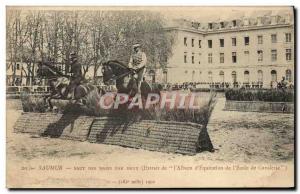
118	63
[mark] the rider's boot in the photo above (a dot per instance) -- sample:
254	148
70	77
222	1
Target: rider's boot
139	87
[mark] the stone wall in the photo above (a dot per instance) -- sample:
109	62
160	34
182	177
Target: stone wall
162	136
259	106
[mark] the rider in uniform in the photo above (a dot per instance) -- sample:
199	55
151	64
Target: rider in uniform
138	62
76	73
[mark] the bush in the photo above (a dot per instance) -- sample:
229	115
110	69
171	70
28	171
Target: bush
92	105
12	89
199	116
260	95
92	108
32	104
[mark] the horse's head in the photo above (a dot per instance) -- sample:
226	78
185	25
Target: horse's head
107	72
111	69
46	70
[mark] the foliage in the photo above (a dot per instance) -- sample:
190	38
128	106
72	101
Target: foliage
92	108
271	95
32	104
92	105
199	116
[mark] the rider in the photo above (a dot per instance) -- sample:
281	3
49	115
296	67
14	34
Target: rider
138	62
76	73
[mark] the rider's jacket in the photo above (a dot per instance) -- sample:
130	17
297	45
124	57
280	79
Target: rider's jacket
76	69
137	60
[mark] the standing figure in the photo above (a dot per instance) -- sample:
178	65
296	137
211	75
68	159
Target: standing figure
138	62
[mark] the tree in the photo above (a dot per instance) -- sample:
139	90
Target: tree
96	36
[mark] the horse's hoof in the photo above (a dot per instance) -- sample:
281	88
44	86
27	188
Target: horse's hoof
48	110
79	103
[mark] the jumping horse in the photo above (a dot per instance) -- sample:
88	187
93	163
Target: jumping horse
125	82
59	84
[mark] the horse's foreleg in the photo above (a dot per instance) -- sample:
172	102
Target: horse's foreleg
50	103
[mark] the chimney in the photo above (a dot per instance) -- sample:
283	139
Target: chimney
288	19
246	22
259	21
274	19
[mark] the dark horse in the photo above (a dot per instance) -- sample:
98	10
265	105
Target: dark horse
59	84
124	80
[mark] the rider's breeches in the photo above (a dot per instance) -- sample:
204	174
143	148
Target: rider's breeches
141	74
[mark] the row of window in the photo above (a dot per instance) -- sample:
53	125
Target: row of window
288	75
260	56
288	38
222	24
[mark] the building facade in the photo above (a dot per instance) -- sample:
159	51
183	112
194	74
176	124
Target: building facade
243	51
17	74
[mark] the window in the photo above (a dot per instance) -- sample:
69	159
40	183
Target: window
288	54
210	26
246	40
260	39
222	25
247	59
233	41
193	59
199	43
274	76
221	42
185	57
210	78
192	42
193	75
199	58
210	58
246	77
185	41
18	66
273	55
233	57
209	43
288	75
273	38
234	23
221	74
260	55
221	57
288	37
234	77
260	76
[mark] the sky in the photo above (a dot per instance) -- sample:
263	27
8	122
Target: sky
200	14
206	14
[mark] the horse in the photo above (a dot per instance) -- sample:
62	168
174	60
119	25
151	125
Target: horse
59	84
124	80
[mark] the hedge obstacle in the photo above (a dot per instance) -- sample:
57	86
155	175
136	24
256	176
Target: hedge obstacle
163	136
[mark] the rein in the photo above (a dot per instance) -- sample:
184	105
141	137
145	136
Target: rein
120	76
124	74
